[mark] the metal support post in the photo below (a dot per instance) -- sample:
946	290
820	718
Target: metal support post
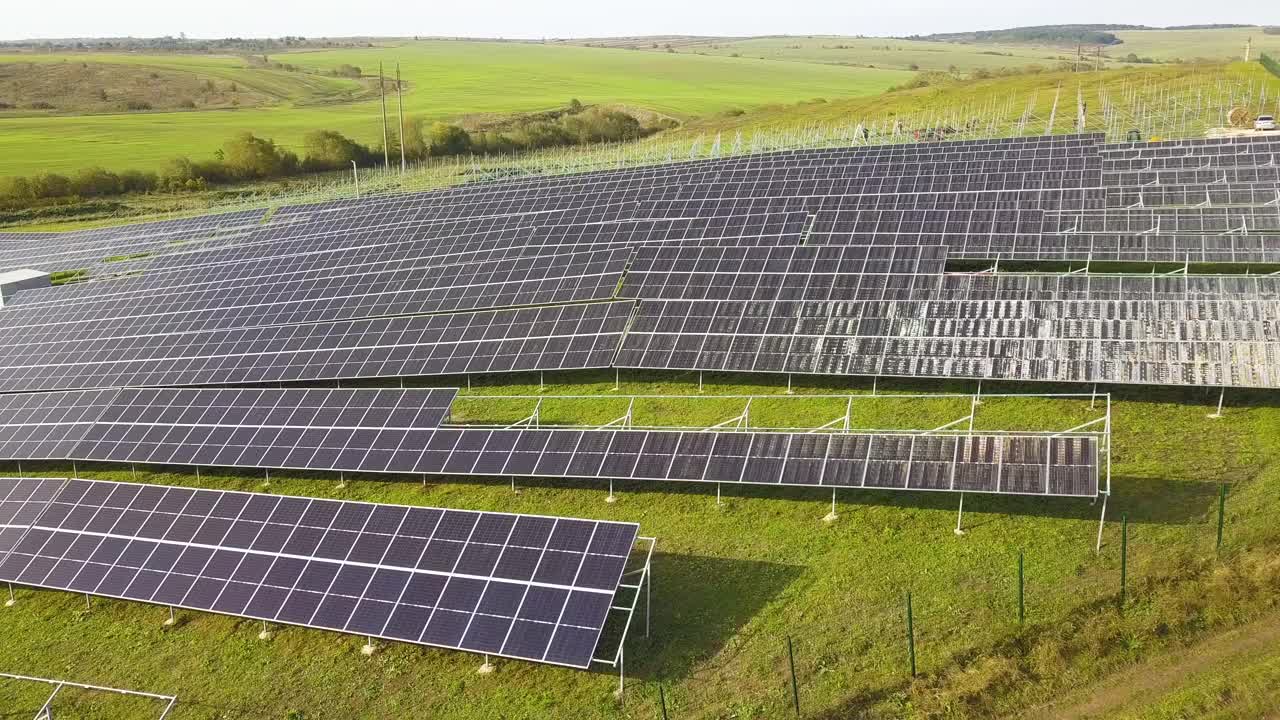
648	593
718	494
1101	522
172	618
611	498
795	688
1221	396
1124	557
622	674
832	516
1222	514
960	517
1022	605
911	635
789	390
12	600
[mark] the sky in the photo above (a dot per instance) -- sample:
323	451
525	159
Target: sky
587	18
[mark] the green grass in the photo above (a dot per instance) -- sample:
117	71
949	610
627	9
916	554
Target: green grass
445	80
1166	45
994	107
1162	45
732	582
883	52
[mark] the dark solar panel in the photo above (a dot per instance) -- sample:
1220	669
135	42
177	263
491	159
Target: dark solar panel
522	586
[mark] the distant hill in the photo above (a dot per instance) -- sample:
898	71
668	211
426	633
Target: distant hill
1096	34
1212	26
1040	34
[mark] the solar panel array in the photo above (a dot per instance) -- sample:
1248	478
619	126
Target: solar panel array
520	586
823	260
402	431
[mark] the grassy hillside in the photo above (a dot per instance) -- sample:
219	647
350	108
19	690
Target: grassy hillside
733	581
280	85
965	54
1214	43
998	106
878	52
444	80
82	87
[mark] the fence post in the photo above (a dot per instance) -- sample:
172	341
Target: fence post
1124	556
1222	510
1022	605
911	636
795	689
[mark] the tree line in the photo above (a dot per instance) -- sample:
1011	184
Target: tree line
247	157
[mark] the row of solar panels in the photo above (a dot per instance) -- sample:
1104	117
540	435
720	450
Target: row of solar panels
371	324
505	206
521	586
399	431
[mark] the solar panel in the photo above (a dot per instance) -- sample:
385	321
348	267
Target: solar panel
1202	342
522	586
545	338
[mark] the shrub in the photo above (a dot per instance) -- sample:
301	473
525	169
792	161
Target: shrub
137	105
329	150
96	182
50	185
248	157
444	139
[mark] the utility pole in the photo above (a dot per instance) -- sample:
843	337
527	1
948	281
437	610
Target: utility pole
400	107
1076	67
1097	65
386	151
1248	48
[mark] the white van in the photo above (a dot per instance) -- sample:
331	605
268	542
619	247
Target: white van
1264	122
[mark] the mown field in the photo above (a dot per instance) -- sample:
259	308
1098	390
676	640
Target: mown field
966	57
1213	44
732	582
995	105
878	52
444	80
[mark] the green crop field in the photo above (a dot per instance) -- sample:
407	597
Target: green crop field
444	80
881	52
1214	44
733	581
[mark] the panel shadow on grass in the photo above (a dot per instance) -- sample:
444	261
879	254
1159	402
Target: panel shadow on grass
699	603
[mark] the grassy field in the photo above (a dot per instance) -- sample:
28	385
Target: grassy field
1161	45
1220	44
732	582
444	80
877	52
998	106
